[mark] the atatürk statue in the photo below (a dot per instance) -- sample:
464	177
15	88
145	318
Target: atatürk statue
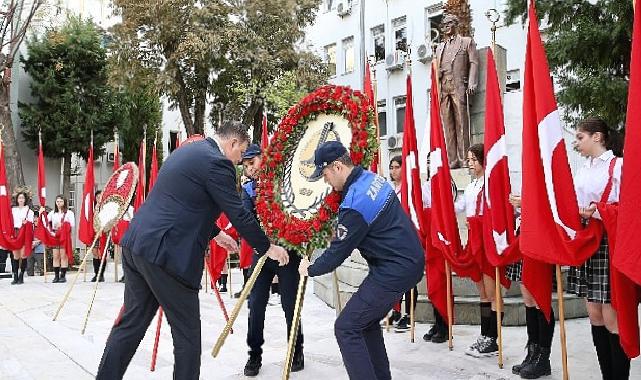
458	77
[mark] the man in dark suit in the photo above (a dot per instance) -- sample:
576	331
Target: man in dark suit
163	249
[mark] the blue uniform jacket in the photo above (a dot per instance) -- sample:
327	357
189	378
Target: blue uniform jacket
371	219
174	225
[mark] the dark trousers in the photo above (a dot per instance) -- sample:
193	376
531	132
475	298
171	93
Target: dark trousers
288	285
359	334
149	286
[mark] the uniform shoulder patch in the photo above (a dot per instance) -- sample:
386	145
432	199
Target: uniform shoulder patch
341	232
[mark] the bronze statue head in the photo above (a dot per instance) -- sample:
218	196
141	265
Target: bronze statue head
449	24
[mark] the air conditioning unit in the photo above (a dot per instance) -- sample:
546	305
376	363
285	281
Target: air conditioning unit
111	157
395	142
423	53
395	61
343	8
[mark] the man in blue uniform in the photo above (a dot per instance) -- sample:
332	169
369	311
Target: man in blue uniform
372	220
163	249
287	278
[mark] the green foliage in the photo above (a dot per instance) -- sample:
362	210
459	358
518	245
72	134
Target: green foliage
70	91
226	52
588	44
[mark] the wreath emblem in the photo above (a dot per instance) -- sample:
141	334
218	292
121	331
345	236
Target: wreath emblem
293	211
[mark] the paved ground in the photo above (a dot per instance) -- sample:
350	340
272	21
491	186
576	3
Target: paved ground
32	346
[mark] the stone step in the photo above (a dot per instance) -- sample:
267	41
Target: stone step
466	309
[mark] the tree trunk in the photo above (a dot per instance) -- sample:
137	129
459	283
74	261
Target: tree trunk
13	161
66	181
253	117
200	100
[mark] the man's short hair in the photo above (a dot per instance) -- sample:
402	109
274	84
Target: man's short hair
346	160
230	129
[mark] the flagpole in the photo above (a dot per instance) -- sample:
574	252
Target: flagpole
103	261
154	352
448	271
410	200
44	253
564	350
493	16
375	104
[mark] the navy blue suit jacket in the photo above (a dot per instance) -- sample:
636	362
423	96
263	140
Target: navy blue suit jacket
174	225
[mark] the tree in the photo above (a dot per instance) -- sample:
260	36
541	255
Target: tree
461	9
588	46
16	17
267	34
222	52
72	99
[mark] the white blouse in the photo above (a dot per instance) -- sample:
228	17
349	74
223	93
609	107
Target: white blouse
592	178
57	218
20	214
467	203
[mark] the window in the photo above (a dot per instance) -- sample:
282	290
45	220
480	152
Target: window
72	200
433	18
173	141
513	81
348	55
382	118
400	33
378	39
399	105
330	58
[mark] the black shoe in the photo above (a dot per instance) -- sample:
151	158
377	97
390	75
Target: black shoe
396	316
539	365
122	279
56	278
253	365
15	279
298	364
488	347
93	279
531	348
101	278
403	324
21	278
223	290
237	295
430	333
63	275
440	337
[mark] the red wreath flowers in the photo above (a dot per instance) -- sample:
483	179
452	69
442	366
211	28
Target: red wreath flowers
292	232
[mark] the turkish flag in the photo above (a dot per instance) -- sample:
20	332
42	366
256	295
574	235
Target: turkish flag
86	232
443	226
264	138
140	189
369	92
42	177
498	216
626	256
154	169
411	195
551	229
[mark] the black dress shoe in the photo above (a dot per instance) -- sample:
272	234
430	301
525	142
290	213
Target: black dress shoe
439	337
428	336
93	279
253	365
298	364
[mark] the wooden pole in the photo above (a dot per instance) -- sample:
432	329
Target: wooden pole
564	350
293	333
499	309
103	261
234	313
84	267
448	276
154	353
412	319
75	279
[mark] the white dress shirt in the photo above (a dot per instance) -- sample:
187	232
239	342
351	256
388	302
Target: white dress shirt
20	214
592	178
467	203
56	219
